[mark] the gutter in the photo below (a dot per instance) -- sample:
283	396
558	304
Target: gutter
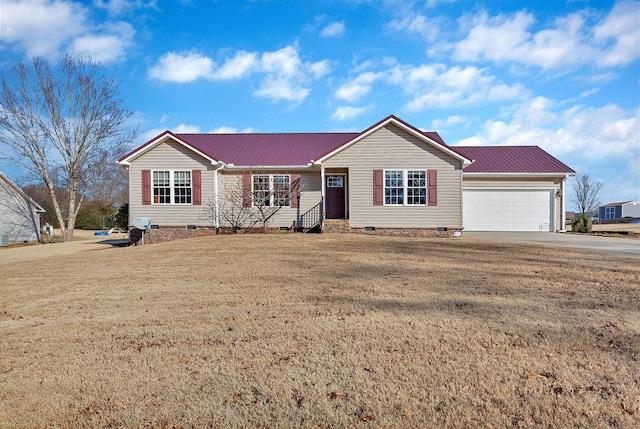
267	167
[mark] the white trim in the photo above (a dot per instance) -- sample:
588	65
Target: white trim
172	187
216	183
563	204
323	194
551	191
267	167
344	191
271	193
517	174
163	138
404	187
411	131
37	207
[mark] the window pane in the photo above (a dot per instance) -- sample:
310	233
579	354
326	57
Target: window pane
416	187
161	187
281	190
393	187
261	190
182	187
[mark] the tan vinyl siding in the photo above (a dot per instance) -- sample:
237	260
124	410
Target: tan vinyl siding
523	183
393	148
310	194
170	156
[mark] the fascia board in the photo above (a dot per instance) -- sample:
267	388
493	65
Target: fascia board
411	131
267	167
162	139
559	174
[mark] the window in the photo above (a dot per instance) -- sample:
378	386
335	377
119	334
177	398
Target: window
271	190
416	187
172	187
393	187
161	187
405	187
335	181
609	212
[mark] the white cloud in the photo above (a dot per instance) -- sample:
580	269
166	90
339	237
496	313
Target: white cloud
358	87
438	124
182	67
569	42
107	47
418	24
335	29
230	130
120	7
242	64
48	28
434	85
186	129
342	113
622	28
41	27
284	75
581	132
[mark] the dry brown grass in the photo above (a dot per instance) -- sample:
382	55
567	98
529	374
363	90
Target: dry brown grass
321	331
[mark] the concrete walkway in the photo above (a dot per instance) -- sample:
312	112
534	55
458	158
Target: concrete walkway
623	246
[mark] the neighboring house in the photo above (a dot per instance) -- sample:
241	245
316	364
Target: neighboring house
19	214
391	177
620	210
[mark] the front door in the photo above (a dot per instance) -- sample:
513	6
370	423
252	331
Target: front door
335	197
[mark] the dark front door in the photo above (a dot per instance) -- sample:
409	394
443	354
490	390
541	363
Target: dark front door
335	197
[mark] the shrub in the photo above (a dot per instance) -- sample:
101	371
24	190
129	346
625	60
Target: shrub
581	223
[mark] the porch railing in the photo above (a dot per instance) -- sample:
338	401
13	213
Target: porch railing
311	220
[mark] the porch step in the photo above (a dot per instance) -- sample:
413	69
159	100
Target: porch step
337	226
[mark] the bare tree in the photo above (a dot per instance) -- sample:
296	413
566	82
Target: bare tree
58	122
230	210
244	205
586	194
270	193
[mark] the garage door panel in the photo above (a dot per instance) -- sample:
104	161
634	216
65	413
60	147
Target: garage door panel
513	210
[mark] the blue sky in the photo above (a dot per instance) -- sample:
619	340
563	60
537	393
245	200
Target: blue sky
561	75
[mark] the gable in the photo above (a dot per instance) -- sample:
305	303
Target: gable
171	155
392	146
430	138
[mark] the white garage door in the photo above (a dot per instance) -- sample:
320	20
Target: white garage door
507	210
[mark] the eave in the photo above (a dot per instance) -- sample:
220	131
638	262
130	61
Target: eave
162	138
402	125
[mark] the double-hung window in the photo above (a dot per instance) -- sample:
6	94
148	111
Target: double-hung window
172	187
609	212
271	190
405	187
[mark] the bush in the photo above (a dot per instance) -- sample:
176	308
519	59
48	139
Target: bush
122	217
581	223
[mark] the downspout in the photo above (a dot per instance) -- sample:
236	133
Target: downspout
563	202
217	197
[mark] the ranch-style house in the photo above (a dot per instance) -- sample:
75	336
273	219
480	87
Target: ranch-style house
390	178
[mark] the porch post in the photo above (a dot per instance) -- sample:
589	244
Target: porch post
563	207
323	193
217	198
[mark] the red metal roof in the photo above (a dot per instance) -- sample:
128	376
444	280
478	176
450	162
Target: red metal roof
274	149
512	159
300	149
286	149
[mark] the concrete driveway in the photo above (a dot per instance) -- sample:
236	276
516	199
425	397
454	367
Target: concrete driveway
611	245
